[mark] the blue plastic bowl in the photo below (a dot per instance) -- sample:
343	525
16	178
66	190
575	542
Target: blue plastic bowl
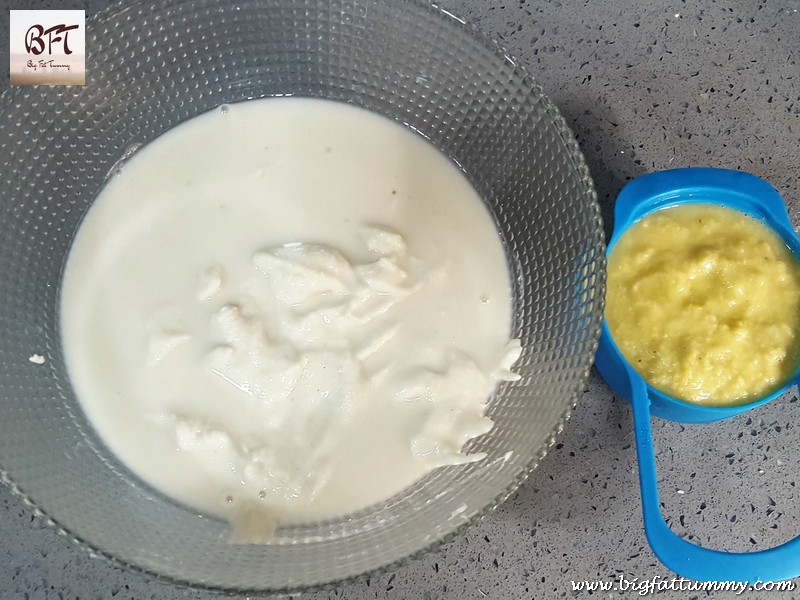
642	196
649	193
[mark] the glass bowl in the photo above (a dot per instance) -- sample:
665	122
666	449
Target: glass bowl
151	66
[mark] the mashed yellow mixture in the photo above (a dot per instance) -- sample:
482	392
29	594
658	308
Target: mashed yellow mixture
704	302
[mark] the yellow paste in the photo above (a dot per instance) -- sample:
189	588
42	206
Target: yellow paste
704	302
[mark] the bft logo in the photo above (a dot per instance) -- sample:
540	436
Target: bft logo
48	47
34	38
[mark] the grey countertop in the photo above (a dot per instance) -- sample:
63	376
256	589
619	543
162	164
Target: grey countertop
645	86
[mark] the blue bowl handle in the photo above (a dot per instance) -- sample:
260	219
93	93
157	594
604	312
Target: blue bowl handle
682	557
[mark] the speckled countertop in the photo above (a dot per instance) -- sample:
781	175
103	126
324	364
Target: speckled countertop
645	86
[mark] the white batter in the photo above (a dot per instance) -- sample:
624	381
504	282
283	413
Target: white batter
286	310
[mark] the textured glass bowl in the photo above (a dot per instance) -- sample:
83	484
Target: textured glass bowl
152	66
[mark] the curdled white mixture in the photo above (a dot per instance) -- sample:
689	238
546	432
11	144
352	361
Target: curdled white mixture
287	310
